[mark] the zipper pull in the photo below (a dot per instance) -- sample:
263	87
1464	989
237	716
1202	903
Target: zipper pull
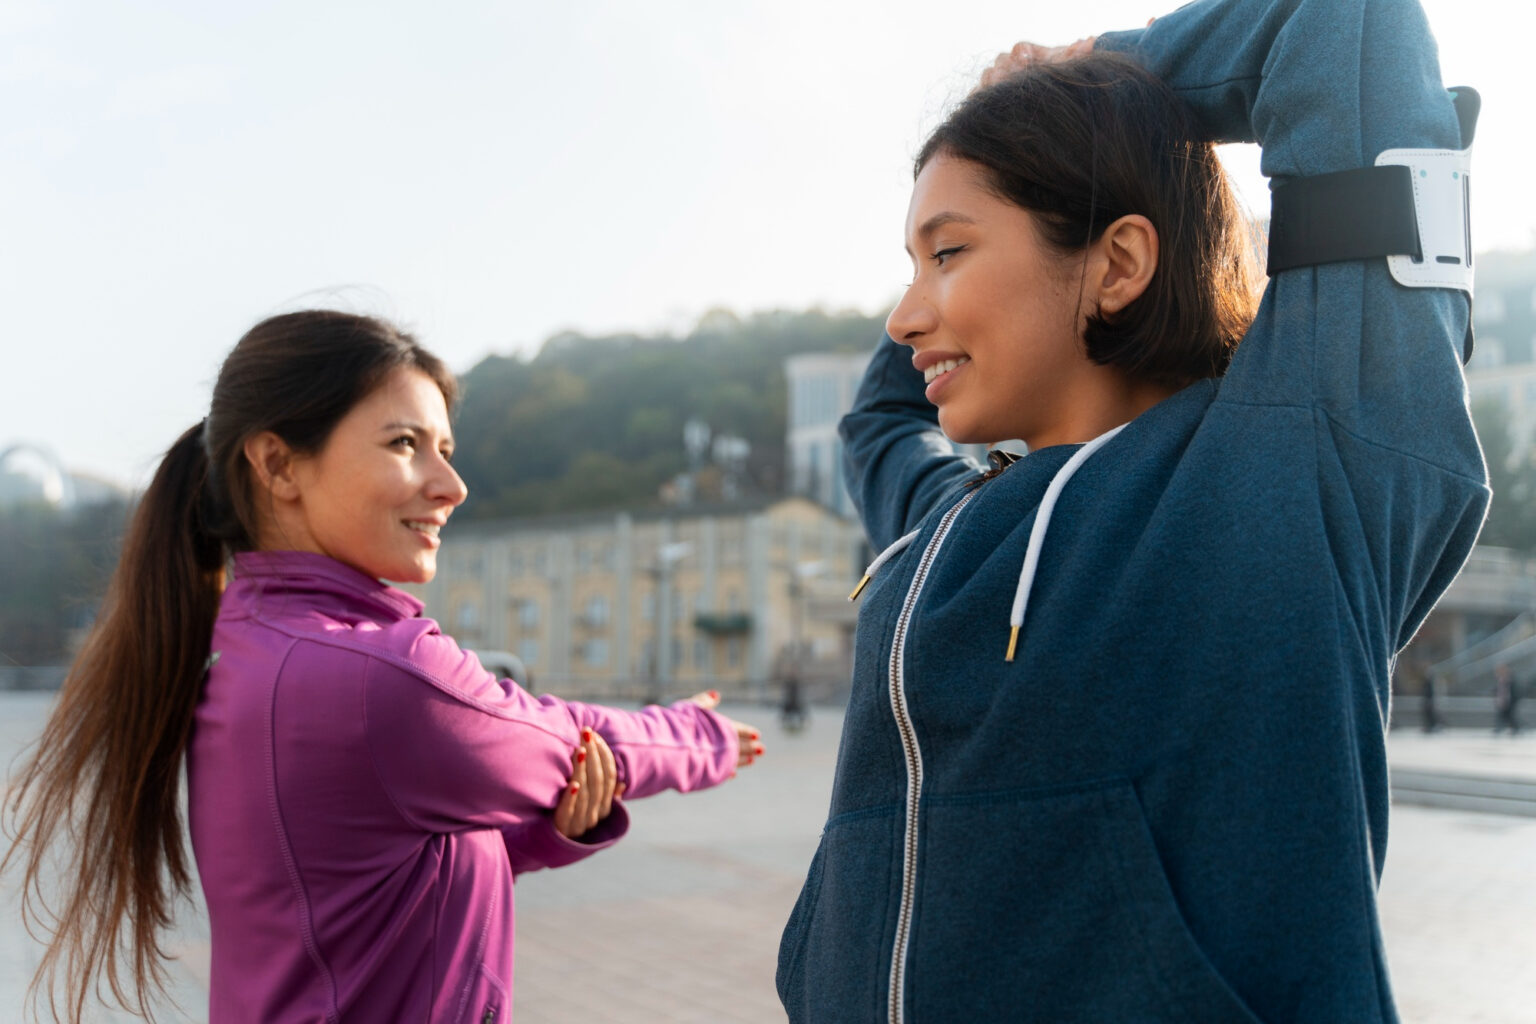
863	582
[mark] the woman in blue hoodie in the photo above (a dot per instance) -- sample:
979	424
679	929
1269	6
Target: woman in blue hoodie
1115	747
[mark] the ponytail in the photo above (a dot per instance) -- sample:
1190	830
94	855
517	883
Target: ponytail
102	787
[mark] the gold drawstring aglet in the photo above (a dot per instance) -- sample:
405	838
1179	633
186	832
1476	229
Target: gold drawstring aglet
859	589
1013	642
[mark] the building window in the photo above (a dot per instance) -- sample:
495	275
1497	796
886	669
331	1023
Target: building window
733	652
468	615
648	605
596	613
528	613
595	652
701	654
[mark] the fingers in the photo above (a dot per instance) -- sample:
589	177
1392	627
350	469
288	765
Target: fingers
568	811
1023	54
607	770
749	743
708	699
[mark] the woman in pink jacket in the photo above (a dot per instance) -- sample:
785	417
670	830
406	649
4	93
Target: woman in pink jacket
361	792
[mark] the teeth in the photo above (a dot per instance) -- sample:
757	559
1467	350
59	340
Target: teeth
939	369
430	529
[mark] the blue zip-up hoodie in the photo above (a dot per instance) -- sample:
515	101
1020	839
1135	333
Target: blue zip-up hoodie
1171	805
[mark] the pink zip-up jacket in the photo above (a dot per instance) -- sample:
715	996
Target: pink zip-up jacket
362	793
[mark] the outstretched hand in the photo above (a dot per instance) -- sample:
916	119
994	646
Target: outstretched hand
1024	54
593	786
749	740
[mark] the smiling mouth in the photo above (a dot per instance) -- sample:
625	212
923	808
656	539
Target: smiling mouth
938	370
430	529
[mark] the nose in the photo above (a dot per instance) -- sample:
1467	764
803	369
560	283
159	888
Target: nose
447	485
912	318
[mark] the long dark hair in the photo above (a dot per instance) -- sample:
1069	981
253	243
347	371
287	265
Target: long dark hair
101	791
1085	141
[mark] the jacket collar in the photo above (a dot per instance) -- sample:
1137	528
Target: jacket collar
295	573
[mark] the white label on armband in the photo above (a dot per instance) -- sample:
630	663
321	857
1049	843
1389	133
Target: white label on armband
1442	203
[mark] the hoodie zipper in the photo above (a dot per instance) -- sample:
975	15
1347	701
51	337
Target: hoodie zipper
914	760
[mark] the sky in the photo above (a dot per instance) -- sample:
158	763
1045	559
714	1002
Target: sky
489	174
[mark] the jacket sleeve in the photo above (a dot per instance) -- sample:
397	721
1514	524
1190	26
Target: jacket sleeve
1327	85
897	463
457	748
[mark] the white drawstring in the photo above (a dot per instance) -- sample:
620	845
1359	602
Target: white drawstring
885	556
1042	523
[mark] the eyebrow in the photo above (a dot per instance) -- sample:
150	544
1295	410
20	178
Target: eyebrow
416	428
937	221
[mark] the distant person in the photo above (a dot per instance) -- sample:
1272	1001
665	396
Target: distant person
1432	722
1506	701
792	712
1115	747
361	792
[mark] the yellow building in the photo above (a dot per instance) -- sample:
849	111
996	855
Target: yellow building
657	603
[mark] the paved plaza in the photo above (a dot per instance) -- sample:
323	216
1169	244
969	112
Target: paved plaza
680	922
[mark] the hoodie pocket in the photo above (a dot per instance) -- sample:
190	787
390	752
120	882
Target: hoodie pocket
796	930
1054	906
835	954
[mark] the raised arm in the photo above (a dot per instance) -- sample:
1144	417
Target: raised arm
897	463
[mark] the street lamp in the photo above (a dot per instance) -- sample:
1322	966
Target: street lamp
667	556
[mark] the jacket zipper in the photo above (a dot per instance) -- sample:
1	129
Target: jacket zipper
914	761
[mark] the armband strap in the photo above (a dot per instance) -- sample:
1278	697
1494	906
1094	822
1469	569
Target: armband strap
1412	207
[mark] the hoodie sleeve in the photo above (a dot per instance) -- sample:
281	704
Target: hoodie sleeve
1321	86
897	463
457	748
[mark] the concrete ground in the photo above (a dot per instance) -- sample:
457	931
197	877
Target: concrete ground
680	922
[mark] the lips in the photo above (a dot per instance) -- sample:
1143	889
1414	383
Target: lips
937	370
427	527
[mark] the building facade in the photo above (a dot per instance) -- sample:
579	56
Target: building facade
663	603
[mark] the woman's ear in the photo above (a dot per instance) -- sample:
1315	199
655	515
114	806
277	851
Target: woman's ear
272	464
1128	250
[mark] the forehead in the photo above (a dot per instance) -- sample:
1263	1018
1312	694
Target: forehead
949	188
406	395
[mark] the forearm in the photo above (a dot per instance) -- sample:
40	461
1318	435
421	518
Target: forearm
897	463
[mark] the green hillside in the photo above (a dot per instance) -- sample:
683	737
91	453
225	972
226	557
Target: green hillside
596	423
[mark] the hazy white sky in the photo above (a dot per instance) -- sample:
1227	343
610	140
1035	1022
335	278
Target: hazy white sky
490	173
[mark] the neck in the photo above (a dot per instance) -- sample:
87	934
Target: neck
1105	399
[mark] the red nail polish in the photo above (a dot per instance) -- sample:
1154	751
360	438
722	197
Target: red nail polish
756	735
581	755
714	694
757	748
586	735
575	788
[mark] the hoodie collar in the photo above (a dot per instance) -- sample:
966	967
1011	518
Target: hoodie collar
295	573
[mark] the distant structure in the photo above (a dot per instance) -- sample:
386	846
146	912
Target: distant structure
674	601
821	388
1503	366
31	474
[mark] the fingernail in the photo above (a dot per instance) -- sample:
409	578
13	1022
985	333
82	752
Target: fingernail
575	788
755	735
581	755
714	694
757	748
586	735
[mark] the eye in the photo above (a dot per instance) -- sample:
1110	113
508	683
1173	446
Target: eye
942	256
404	441
447	454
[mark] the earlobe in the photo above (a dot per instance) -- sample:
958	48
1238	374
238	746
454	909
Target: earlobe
1129	249
272	464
